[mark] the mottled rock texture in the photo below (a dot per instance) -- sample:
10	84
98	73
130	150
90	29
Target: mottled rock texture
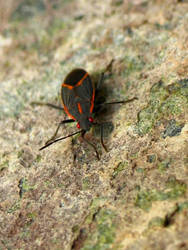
136	196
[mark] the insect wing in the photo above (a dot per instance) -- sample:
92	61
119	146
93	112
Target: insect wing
78	96
85	94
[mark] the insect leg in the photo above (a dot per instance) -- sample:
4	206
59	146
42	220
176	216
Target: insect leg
102	142
58	127
47	104
93	146
108	68
126	101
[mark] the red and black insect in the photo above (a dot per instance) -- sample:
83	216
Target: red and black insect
78	99
78	95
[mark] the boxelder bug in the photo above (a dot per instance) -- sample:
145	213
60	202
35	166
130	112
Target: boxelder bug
78	99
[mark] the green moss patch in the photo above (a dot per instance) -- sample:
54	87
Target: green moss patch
120	167
24	186
172	129
173	190
164	102
102	237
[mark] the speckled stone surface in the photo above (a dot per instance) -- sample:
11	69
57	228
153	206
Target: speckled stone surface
136	196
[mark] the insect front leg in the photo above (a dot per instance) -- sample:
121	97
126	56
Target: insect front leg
58	127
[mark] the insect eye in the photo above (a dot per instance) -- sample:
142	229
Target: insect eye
78	125
91	119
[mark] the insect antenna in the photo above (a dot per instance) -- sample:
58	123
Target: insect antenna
59	139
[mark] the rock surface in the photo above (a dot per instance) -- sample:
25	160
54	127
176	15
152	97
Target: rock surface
136	196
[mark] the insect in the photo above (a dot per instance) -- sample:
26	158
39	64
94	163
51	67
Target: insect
78	99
